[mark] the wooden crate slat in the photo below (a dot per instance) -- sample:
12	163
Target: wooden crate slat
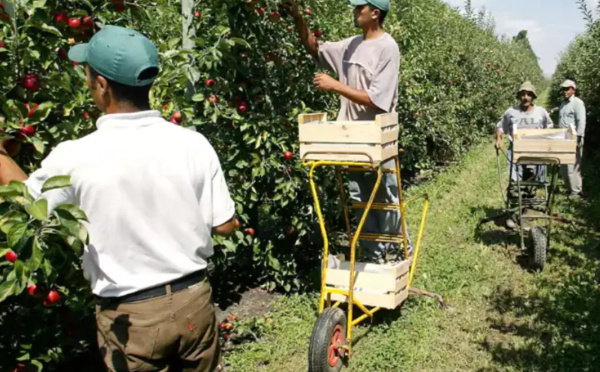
363	280
548	146
565	158
343	153
341	133
306	118
385	120
539	132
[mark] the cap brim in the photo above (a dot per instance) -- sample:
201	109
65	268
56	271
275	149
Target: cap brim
358	2
78	53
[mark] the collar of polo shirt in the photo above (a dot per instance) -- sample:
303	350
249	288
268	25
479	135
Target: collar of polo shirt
128	119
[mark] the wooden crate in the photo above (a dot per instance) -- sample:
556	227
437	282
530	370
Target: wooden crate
321	139
545	143
384	286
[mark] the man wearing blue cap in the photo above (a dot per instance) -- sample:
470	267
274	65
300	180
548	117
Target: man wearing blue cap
153	193
367	67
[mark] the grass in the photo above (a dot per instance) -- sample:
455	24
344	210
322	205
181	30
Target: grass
501	317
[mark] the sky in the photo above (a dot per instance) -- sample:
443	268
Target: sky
551	24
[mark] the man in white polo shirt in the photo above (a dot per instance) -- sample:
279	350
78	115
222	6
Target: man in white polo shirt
153	193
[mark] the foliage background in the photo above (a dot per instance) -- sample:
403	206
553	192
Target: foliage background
456	79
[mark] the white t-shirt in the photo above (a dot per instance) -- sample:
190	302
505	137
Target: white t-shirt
152	192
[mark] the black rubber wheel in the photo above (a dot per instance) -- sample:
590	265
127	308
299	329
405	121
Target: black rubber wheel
539	246
328	333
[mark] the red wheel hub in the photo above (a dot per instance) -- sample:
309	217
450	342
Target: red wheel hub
337	339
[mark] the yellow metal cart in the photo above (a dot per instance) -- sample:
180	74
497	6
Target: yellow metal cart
356	146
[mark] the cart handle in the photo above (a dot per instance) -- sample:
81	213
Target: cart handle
415	257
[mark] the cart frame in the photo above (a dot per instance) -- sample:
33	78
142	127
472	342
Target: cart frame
368	165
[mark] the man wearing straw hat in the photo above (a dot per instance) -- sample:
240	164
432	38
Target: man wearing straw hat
572	115
525	115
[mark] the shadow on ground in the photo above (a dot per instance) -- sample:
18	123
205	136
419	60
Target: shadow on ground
553	323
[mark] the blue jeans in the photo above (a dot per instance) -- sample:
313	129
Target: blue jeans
385	222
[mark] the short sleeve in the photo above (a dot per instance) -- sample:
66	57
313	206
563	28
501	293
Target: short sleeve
382	89
222	204
331	55
503	124
53	165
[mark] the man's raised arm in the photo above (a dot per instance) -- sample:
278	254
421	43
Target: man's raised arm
308	39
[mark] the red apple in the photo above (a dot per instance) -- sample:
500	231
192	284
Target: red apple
269	57
289	231
210	83
489	64
33	290
1	44
232	318
27	131
308	11
75	64
88	22
250	231
61	17
174	121
165	107
242	108
12	147
498	71
288	155
177	116
20	368
213	99
261	10
318	33
11	256
244	55
86	115
31	82
74	23
52	298
197	14
274	16
63	53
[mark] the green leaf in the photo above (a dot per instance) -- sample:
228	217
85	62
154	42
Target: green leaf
56	182
198	97
37	256
16	233
7	288
39	145
20	186
8	191
74	210
38	210
241	42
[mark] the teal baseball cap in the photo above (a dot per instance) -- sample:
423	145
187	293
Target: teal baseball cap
380	4
119	54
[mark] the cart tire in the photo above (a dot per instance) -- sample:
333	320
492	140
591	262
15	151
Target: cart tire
539	244
328	333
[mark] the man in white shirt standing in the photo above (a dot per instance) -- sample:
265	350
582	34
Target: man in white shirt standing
368	67
572	115
153	193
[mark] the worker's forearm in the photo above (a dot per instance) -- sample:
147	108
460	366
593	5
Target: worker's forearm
307	38
358	96
9	170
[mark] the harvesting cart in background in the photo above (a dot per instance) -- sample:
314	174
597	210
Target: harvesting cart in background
531	200
356	146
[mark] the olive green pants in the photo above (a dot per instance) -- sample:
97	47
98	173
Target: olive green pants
175	332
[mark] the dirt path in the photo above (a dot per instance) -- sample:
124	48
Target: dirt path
501	316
